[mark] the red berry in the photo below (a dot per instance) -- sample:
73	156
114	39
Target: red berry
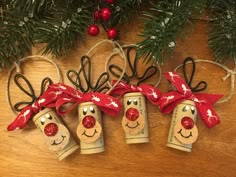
51	129
96	15
89	121
93	30
187	123
112	33
105	13
110	1
132	114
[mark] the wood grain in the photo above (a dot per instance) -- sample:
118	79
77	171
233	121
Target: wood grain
23	153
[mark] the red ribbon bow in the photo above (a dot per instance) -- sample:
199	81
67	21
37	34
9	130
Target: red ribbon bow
48	99
152	93
203	102
106	103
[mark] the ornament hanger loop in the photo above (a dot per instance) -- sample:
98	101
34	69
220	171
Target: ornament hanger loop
230	73
148	73
45	81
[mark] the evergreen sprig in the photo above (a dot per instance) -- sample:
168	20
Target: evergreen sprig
56	23
17	28
123	10
60	34
222	31
15	35
163	23
32	7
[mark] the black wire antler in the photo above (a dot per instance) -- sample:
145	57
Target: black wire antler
202	85
76	78
149	72
31	93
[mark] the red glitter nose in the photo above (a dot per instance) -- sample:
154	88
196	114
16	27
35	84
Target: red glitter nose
187	123
51	129
132	114
89	121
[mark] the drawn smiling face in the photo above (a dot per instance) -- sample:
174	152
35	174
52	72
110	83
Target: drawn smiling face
56	134
89	129
133	120
185	130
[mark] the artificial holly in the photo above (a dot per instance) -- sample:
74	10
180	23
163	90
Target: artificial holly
105	13
112	33
96	15
93	30
110	1
104	16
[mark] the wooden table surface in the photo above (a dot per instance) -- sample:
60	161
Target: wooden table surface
23	152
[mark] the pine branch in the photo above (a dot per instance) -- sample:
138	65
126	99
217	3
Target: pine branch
16	37
61	31
17	27
32	7
163	23
222	33
20	22
123	10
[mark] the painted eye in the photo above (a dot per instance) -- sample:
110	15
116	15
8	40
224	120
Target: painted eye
42	120
85	110
129	102
193	110
185	108
135	102
48	116
92	109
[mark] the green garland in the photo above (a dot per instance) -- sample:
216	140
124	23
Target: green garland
222	31
163	24
58	24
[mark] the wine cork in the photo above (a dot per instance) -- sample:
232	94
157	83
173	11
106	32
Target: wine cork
134	121
89	129
56	135
183	131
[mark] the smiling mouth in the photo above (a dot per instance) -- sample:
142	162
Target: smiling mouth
90	136
57	143
180	132
127	125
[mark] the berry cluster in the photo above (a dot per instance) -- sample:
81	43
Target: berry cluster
103	15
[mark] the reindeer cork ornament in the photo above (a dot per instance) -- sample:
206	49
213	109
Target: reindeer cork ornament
186	106
92	100
56	135
134	121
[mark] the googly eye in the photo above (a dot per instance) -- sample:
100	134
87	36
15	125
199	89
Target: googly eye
129	102
185	108
92	109
193	110
85	110
48	116
42	120
135	102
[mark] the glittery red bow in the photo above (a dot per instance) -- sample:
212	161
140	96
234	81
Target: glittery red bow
47	100
203	102
152	93
106	103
